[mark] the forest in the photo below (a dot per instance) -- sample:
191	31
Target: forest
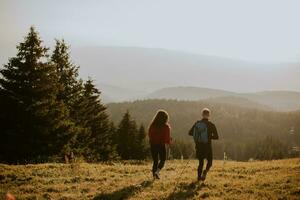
244	132
48	112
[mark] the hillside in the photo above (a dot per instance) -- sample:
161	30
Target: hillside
240	128
277	100
148	69
188	93
208	94
127	73
235	180
111	93
239	101
232	119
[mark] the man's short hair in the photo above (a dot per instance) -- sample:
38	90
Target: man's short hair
205	111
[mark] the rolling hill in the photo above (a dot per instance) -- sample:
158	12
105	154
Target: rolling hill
277	100
111	93
238	126
129	73
149	69
188	93
239	101
243	131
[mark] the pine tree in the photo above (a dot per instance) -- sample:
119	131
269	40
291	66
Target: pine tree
70	92
142	147
96	143
70	84
37	123
126	137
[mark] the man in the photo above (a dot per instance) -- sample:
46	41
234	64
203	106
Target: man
203	131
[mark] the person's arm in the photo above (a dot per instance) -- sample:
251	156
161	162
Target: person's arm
150	133
168	135
192	130
215	135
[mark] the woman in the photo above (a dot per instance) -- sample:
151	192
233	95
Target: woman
159	136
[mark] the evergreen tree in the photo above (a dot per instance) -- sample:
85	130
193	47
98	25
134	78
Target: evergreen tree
97	142
37	123
142	148
70	85
113	131
270	148
93	138
126	137
70	92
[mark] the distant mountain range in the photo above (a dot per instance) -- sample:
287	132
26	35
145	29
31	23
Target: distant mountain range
266	100
189	93
276	100
130	73
149	69
112	93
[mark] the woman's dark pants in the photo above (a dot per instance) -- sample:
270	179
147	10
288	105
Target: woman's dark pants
158	152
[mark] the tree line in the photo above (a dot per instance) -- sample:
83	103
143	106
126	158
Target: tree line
244	132
47	111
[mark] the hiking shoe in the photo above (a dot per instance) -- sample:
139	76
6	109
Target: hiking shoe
204	175
199	178
156	175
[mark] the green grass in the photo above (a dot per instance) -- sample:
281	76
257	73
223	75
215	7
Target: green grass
278	179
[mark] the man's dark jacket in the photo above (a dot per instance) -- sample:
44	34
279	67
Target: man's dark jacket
211	130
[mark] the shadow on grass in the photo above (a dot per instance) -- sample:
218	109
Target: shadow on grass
185	191
123	193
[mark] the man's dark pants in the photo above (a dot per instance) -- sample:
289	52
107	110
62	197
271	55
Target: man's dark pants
204	151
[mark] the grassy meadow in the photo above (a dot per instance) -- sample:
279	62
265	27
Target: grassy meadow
279	179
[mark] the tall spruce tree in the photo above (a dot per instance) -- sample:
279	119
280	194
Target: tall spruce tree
97	143
67	72
37	123
70	89
141	144
126	137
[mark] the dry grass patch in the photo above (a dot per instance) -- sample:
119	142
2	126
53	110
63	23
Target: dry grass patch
132	180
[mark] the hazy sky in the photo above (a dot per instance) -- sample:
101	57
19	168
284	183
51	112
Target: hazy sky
255	30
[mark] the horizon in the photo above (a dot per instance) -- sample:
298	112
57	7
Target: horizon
224	42
86	72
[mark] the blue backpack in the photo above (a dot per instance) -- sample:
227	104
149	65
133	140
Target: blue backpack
200	134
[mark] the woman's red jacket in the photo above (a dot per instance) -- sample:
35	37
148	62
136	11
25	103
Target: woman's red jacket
159	136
